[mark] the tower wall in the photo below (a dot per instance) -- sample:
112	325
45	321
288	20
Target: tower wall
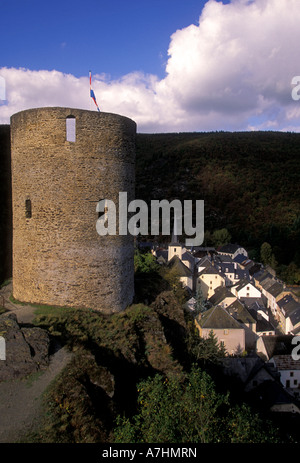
58	256
5	205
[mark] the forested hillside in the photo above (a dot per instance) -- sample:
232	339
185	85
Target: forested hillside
250	182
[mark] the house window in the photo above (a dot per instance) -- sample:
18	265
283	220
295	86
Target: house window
28	213
71	128
287	383
291	373
295	382
225	331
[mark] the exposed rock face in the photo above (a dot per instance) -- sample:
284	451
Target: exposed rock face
27	349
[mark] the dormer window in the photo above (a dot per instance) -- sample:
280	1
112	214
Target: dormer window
71	128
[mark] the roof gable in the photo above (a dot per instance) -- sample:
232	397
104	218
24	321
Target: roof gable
239	312
180	267
218	318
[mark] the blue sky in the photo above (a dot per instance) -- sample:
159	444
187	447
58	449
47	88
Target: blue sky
115	37
171	65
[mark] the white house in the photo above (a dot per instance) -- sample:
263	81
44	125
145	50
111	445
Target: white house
289	370
232	250
209	279
289	313
182	271
245	289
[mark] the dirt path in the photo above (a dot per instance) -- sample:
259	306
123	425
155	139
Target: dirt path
21	400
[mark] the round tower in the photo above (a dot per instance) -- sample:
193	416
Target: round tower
64	161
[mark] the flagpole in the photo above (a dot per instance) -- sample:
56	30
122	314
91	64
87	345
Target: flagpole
90	76
92	94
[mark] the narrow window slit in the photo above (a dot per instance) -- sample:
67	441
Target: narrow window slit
28	213
71	128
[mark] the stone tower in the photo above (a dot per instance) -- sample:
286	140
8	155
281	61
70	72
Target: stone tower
64	161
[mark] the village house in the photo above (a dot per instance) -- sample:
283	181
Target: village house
244	289
262	372
268	346
233	273
183	272
232	250
240	313
289	314
289	370
222	297
226	329
263	326
209	279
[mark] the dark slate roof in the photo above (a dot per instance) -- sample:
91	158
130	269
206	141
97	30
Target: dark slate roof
229	267
188	257
254	269
162	253
262	325
239	312
271	393
205	260
218	318
229	248
268	367
241	259
288	304
221	292
295	317
219	259
278	344
244	282
275	289
180	267
210	270
262	275
255	303
286	362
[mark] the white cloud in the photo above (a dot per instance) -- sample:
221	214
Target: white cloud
232	71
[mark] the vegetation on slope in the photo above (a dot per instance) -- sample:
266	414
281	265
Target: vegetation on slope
250	183
133	373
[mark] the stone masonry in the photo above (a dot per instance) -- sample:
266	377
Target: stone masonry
58	256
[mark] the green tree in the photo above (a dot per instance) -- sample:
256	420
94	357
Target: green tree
266	255
204	350
171	276
244	426
200	305
173	410
145	262
221	237
190	410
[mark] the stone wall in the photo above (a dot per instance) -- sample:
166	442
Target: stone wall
5	205
58	256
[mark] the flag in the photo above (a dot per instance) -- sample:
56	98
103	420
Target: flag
92	94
